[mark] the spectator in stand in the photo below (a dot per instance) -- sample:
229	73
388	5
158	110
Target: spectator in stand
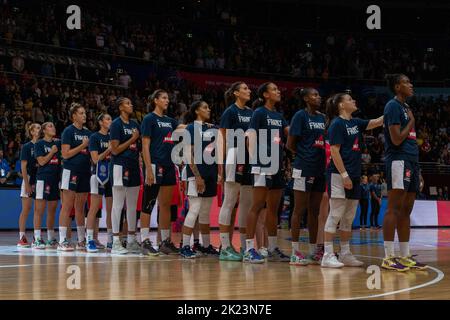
5	171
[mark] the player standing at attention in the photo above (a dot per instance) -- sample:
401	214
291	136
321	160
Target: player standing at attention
403	173
202	179
48	156
75	176
268	177
306	141
125	173
344	175
28	166
100	181
160	176
237	177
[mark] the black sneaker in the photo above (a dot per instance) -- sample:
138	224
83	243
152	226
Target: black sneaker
147	248
210	251
167	247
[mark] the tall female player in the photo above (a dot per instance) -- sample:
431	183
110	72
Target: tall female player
28	166
48	157
160	179
403	174
75	176
100	151
268	177
344	175
306	140
125	173
237	179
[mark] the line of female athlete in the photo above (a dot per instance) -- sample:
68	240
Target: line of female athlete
106	163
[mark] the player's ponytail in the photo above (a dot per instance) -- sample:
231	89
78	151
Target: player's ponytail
332	107
260	100
229	94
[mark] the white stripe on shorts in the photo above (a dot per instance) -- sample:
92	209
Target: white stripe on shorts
397	172
337	186
23	194
192	187
299	181
117	176
230	166
65	179
259	180
40	189
94	184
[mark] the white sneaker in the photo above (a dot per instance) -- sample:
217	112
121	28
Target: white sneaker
349	260
117	248
133	247
329	260
264	252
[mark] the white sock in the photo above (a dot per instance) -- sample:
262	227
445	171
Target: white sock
295	247
131	238
81	234
206	240
145	234
250	244
90	234
37	234
62	234
243	237
272	243
50	234
186	240
21	235
389	249
116	238
345	247
404	249
312	248
165	234
110	235
329	247
225	240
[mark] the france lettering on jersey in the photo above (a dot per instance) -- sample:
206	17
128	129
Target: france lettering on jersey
263	118
310	133
73	136
99	142
395	113
348	134
122	132
208	147
27	154
159	130
43	148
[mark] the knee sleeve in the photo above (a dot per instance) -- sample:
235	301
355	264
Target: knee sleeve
203	217
337	208
245	202
231	191
132	194
194	209
118	200
349	215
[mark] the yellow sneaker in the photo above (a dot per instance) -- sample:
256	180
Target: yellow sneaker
393	264
411	263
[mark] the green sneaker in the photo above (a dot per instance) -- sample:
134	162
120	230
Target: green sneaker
229	254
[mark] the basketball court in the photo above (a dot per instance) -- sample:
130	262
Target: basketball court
31	274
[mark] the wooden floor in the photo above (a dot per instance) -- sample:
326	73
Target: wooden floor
26	274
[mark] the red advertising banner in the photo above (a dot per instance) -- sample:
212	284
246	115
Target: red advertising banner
204	80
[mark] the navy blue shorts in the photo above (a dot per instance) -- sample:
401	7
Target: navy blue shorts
99	189
273	182
403	175
336	188
125	176
47	187
164	175
210	187
307	183
76	181
32	181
